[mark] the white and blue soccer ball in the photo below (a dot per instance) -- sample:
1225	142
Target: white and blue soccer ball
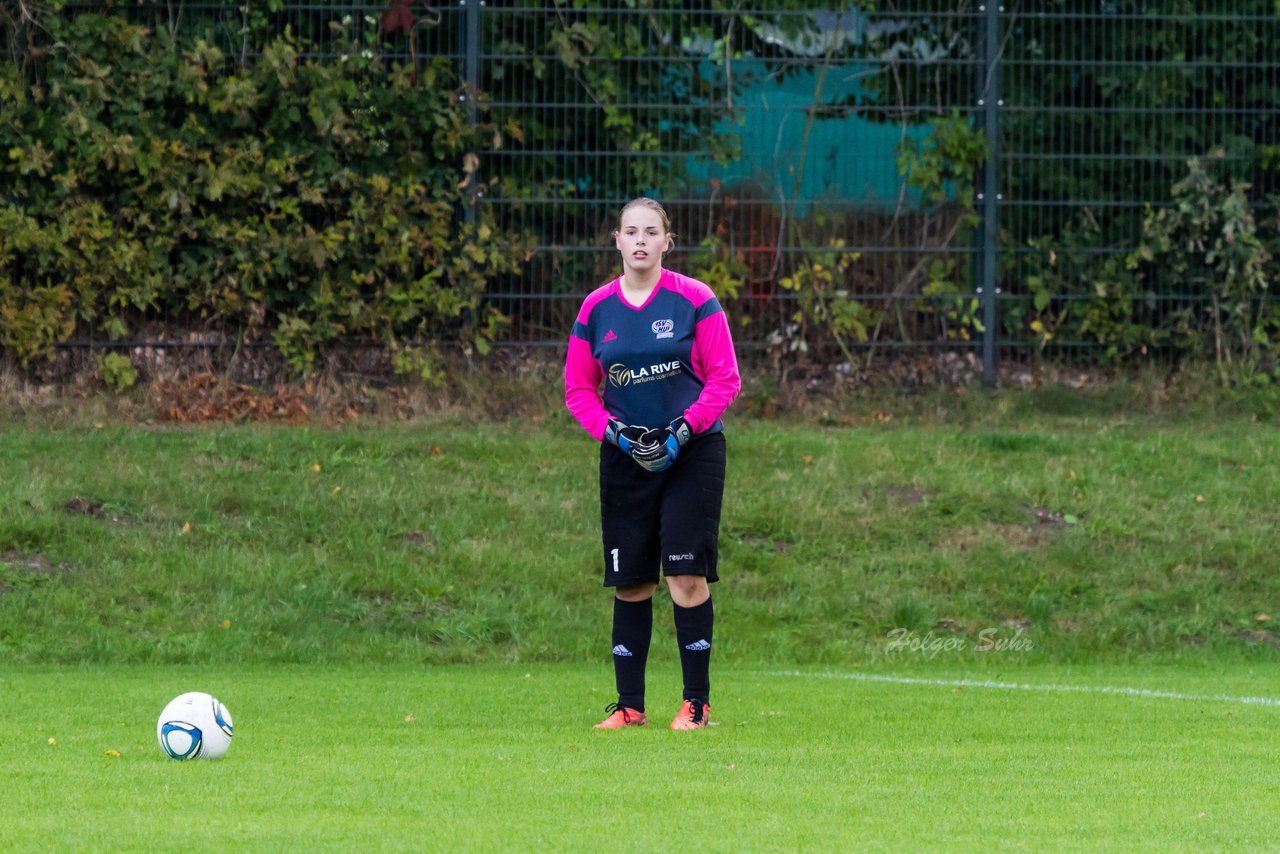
194	726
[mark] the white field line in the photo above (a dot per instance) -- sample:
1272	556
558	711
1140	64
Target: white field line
1145	693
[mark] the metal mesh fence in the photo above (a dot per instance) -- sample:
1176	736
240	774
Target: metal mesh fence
944	174
771	140
1105	103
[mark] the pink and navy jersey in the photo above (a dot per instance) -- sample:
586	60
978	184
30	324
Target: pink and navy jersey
670	357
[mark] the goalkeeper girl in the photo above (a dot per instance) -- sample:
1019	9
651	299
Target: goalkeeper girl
660	345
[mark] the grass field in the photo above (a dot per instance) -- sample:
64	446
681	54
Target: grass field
502	758
1092	535
1036	623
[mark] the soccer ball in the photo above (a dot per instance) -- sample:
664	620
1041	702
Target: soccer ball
194	726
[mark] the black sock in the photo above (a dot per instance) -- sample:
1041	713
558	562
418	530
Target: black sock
632	630
693	633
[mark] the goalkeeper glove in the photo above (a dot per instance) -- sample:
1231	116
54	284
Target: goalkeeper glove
678	435
642	444
651	453
625	436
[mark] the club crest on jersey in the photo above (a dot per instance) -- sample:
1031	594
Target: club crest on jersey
664	328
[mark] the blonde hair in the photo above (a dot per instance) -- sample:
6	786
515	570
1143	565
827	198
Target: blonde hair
656	207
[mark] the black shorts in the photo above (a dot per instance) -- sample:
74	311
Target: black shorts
669	519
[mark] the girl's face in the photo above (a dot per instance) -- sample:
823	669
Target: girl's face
641	239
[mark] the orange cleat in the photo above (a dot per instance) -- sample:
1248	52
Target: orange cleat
694	714
621	716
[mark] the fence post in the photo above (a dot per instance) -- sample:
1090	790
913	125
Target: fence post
986	271
471	77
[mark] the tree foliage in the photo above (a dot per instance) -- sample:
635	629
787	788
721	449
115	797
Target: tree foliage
312	202
214	165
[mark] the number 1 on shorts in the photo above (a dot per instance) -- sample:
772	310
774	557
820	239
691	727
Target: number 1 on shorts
614	552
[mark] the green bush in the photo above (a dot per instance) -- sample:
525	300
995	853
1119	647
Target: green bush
1079	293
310	202
117	371
1205	242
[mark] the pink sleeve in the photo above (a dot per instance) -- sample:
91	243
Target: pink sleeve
582	376
717	365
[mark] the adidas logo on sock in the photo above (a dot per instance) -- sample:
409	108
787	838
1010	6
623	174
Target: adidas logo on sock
610	336
698	646
622	650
